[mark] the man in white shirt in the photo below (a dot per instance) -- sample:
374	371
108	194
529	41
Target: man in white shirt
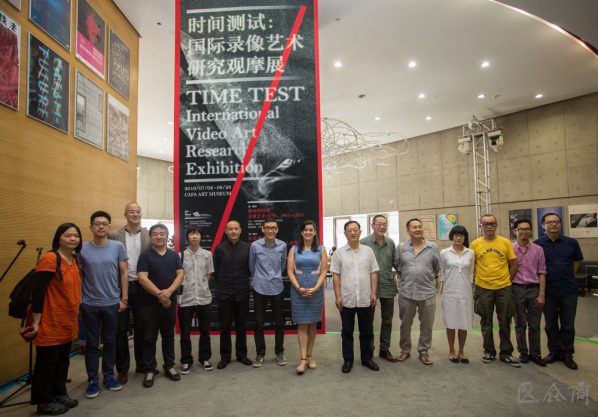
354	271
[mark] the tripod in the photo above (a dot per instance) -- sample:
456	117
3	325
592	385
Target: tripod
28	379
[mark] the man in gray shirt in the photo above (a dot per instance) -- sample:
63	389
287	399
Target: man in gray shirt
417	264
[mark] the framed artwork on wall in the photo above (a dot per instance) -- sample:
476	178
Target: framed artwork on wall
91	38
583	220
118	128
119	64
10	64
445	223
54	17
89	111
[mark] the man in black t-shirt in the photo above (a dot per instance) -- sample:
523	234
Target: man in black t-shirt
160	274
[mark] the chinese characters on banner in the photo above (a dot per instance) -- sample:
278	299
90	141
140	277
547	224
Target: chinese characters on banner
247	141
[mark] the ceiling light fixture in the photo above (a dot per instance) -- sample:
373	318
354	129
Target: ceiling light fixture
170	123
377	118
338	64
422	95
485	64
428	117
412	64
481	96
539	95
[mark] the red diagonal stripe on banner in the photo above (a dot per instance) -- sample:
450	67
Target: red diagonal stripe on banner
258	128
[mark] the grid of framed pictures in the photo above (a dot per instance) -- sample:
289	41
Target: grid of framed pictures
100	119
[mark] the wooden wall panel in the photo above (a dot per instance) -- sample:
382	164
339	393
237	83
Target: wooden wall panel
48	177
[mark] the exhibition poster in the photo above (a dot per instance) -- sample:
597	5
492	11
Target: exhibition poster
48	85
10	41
91	38
583	220
54	17
445	223
118	128
119	64
89	111
247	134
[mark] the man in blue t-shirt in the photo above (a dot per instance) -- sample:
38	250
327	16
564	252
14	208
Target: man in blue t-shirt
105	293
160	274
563	256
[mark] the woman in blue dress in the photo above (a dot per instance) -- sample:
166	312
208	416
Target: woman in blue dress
307	265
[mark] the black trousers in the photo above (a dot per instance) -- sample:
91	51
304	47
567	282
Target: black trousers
50	372
157	319
204	317
230	309
560	337
260	303
123	359
365	317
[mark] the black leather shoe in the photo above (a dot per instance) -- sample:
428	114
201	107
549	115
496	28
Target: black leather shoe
245	361
569	362
385	354
347	366
524	358
222	364
148	380
552	357
538	360
172	374
371	364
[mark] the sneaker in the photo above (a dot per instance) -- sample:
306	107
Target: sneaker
258	362
112	384
51	409
93	389
185	368
281	360
511	361
207	366
488	357
66	401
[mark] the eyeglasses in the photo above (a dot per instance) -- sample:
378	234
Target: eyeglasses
491	224
524	229
270	228
97	224
552	222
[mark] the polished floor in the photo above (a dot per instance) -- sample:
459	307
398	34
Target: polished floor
408	388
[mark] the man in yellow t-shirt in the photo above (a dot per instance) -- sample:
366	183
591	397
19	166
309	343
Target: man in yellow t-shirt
495	265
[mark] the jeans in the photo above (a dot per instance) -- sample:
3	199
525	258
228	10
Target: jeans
425	310
50	372
260	302
203	314
230	309
365	317
485	300
100	321
123	359
563	309
157	319
527	315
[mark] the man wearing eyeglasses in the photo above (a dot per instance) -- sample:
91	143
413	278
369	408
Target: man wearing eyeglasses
528	290
136	240
495	267
563	256
105	294
267	261
384	249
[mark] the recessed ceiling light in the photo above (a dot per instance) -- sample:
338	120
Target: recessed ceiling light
422	95
428	117
338	64
539	95
170	123
164	139
377	118
481	96
412	64
161	151
485	64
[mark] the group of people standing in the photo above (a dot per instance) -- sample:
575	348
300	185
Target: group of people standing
520	280
133	272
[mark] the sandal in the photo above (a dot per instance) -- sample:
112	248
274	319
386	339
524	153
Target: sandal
311	364
301	367
453	359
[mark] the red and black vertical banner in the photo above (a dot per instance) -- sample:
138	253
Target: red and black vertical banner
247	130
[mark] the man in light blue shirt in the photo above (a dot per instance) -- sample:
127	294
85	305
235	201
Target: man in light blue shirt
267	260
105	294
